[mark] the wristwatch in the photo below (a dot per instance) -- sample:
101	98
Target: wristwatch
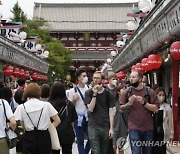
144	103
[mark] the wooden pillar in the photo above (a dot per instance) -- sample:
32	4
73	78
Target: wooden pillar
175	89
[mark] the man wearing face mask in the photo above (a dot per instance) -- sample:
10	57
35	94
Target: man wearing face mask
112	87
76	96
140	120
100	104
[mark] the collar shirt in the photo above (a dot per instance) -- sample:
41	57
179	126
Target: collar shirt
33	108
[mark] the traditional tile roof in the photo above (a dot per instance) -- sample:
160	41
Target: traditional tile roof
84	17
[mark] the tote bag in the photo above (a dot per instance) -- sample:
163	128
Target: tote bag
54	137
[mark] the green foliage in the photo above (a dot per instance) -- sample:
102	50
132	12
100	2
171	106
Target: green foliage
59	57
18	14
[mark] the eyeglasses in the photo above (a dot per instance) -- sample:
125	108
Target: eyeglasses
96	78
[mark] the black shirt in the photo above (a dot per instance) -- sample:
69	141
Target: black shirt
100	114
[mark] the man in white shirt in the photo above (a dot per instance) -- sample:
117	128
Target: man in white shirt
76	96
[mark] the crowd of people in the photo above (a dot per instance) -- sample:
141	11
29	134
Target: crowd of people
101	114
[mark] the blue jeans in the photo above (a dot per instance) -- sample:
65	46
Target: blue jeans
137	138
80	131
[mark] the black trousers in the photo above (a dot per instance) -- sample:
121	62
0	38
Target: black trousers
37	142
66	149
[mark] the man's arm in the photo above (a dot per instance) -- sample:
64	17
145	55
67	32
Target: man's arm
151	107
92	104
111	117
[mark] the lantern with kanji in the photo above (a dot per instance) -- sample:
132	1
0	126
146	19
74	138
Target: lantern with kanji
154	61
144	65
175	50
8	70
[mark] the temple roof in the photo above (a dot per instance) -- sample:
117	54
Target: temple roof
84	16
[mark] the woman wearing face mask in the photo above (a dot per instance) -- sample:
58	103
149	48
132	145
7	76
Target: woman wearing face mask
163	123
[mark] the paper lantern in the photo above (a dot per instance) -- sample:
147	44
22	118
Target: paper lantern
121	75
8	70
21	73
34	76
144	65
175	50
154	61
16	72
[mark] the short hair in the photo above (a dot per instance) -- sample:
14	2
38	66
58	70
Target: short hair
99	72
45	90
78	73
33	90
139	73
7	94
112	75
18	96
21	81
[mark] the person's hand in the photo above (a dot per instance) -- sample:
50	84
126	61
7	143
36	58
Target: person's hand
95	89
111	133
131	99
76	96
140	99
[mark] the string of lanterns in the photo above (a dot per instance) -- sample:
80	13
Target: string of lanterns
16	72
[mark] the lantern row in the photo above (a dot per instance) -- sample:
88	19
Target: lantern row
16	72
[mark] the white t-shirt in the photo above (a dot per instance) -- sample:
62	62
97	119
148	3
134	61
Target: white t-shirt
80	106
2	117
33	108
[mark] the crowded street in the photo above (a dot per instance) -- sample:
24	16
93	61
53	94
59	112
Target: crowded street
90	77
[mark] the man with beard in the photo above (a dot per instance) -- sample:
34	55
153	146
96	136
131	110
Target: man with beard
140	120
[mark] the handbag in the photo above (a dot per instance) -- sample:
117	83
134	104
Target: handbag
10	134
55	145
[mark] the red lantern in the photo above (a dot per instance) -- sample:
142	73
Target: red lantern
8	70
26	74
16	72
144	64
21	73
105	81
175	50
133	67
154	61
121	75
34	76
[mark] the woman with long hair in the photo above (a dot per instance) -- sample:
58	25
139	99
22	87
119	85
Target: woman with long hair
67	114
163	123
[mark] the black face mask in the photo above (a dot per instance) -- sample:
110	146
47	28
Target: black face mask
135	84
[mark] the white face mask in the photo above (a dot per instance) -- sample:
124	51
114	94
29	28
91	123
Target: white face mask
114	82
85	80
161	99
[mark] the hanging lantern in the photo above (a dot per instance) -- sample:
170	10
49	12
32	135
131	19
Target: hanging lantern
121	75
21	73
154	61
16	72
26	74
8	70
175	50
34	76
144	65
105	81
133	67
